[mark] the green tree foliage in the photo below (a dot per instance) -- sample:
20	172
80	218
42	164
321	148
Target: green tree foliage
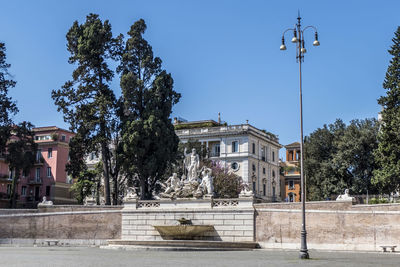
84	184
355	155
338	157
149	142
87	101
21	153
226	184
7	106
387	176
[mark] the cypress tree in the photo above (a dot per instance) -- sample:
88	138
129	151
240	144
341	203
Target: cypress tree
149	142
387	176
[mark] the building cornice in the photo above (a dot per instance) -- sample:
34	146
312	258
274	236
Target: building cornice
224	131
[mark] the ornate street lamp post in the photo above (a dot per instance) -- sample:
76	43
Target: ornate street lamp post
298	38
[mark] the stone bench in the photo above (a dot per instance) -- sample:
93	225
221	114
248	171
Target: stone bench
386	247
49	242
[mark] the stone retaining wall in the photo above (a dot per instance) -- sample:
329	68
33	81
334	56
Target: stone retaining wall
330	225
352	228
95	224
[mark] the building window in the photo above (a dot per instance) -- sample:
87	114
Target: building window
217	150
291	185
23	191
235	146
291	197
263	170
273	174
38	155
9	189
63	138
42	137
298	155
12	174
254	168
264	190
92	156
254	148
37	174
273	156
47	191
48	171
49	152
263	149
254	187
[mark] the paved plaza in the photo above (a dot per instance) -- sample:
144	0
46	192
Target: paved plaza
83	256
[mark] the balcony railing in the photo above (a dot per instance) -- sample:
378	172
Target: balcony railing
34	181
5	177
4	195
214	154
39	160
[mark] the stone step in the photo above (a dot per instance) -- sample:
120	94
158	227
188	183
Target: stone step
185	244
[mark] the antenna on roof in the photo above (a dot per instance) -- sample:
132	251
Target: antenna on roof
219	117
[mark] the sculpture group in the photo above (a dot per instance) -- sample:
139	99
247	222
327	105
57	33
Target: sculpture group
196	183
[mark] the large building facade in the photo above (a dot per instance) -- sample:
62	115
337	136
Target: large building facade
249	152
48	176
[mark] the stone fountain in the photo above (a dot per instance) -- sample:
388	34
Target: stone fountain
184	231
204	223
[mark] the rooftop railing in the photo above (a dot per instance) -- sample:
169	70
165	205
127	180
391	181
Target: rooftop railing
225	129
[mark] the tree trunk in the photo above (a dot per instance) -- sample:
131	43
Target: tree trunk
106	173
144	194
13	197
98	187
115	185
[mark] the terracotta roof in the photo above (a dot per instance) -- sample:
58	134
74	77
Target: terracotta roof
50	128
293	145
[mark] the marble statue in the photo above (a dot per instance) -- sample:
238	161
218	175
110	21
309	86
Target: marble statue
207	182
246	192
130	194
172	184
46	202
345	197
192	163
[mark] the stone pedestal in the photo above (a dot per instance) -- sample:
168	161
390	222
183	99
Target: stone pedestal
232	219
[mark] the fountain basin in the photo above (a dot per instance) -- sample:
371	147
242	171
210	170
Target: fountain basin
183	232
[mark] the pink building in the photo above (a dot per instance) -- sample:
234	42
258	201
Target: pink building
48	177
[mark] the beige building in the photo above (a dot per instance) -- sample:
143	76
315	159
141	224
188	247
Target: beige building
245	150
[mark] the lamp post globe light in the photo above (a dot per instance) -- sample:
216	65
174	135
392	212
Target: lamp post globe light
298	39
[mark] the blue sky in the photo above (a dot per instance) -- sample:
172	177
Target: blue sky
223	55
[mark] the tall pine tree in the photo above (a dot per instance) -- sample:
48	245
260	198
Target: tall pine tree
87	101
149	142
387	176
7	106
